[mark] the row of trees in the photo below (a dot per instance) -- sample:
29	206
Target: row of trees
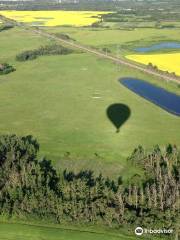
32	187
53	49
169	74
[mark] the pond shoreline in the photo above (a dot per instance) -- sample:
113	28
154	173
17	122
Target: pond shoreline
159	46
158	96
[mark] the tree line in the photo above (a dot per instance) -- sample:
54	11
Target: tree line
169	74
4	27
53	49
33	187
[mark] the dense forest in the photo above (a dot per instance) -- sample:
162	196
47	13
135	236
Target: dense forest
32	187
111	5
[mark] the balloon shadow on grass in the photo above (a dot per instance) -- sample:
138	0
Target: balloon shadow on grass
118	114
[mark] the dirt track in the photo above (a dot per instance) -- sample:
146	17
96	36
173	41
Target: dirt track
107	56
97	52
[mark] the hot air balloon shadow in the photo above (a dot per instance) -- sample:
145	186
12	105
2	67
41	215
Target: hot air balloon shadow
118	114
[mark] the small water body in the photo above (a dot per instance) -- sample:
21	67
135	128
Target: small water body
159	46
159	96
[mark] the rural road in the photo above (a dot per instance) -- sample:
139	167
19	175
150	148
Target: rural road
95	52
107	56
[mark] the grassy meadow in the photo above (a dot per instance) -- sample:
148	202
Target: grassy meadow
20	232
37	232
122	43
119	41
62	101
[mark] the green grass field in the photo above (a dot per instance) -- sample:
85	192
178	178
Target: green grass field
62	101
120	42
35	232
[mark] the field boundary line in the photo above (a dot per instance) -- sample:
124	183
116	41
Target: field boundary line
106	56
87	49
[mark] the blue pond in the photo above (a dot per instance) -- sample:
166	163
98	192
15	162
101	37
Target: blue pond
159	46
164	99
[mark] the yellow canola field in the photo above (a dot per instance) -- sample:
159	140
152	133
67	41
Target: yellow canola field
166	62
55	18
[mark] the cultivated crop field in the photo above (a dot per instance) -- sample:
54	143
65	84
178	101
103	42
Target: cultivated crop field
55	18
165	62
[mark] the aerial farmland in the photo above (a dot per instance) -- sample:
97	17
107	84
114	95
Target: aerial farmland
88	97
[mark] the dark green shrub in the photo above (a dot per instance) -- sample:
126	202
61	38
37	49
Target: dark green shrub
6	68
25	56
5	27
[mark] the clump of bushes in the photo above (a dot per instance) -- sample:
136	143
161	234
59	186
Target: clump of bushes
5	27
5	68
64	36
106	50
43	51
